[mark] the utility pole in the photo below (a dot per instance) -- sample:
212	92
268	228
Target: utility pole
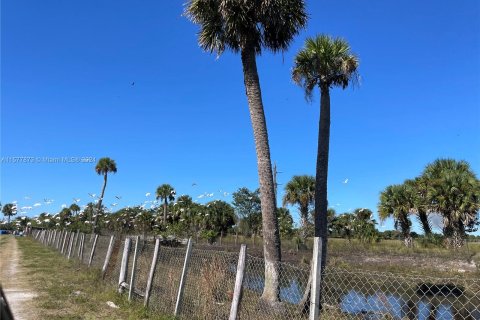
275	184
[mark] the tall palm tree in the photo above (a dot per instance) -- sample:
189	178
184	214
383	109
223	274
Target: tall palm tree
325	63
396	201
104	167
248	27
454	193
9	210
301	191
166	193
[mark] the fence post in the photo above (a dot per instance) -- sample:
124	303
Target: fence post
152	272
79	244
107	257
134	263
237	293
316	278
64	241
82	243
182	279
124	266
72	235
93	250
59	237
75	241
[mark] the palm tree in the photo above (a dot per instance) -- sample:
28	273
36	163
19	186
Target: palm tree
418	188
326	63
396	201
454	193
301	191
166	193
9	210
104	167
247	27
74	208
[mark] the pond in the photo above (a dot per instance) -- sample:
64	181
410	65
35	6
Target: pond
418	305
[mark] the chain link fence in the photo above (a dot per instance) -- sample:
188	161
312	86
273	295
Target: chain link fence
210	280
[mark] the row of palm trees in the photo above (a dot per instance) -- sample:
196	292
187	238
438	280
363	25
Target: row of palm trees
446	187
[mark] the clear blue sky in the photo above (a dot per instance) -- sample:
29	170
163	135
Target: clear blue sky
67	69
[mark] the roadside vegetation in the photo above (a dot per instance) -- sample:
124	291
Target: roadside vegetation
68	290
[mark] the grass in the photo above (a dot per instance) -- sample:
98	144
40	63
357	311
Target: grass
68	290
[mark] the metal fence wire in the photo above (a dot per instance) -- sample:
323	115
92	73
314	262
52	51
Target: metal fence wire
210	280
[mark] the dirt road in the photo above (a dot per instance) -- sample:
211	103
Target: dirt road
15	281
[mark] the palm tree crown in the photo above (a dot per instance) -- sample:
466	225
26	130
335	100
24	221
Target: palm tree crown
324	62
237	25
105	166
301	191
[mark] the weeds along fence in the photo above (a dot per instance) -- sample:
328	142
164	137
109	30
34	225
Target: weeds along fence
191	283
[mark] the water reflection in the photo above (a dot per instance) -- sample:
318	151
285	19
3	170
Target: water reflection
382	305
377	306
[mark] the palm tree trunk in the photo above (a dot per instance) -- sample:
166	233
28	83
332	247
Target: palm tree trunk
271	235
95	221
321	202
165	212
304	219
423	217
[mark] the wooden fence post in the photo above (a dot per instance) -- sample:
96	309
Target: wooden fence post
107	257
237	293
82	243
152	272
183	278
92	252
134	264
124	266
75	241
72	235
64	240
316	279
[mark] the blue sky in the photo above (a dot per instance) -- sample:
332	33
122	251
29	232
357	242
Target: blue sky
67	70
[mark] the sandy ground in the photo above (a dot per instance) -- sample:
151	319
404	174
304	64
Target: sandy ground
14	281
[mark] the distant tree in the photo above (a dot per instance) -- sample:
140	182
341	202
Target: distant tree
300	190
221	216
9	210
104	167
248	208
74	208
165	193
396	202
343	225
285	222
65	214
454	192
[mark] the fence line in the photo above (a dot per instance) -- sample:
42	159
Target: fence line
204	284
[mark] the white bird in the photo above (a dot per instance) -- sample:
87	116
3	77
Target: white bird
76	200
93	195
37	204
113	204
345	181
147	194
201	196
118	197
